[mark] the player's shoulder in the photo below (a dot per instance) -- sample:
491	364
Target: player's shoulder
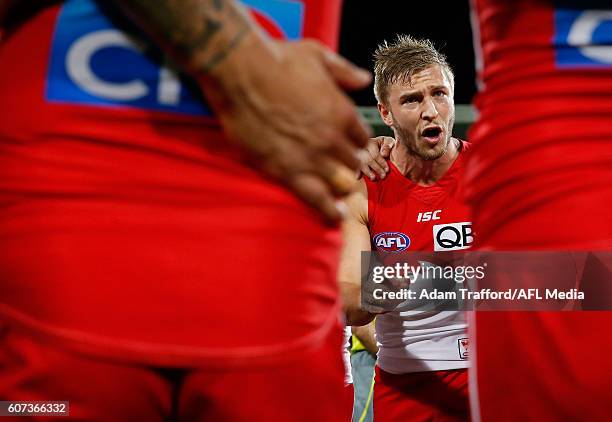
464	152
464	145
378	184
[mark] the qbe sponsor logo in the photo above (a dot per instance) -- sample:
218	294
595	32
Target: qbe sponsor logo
94	63
452	236
583	36
463	344
391	242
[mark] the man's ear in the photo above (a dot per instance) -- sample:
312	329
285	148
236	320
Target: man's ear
385	114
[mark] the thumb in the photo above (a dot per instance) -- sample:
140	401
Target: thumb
387	145
345	73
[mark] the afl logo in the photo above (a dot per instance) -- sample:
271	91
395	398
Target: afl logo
391	241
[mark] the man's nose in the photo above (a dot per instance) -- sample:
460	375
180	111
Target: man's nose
429	111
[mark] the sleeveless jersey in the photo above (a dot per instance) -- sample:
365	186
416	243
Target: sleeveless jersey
128	225
419	218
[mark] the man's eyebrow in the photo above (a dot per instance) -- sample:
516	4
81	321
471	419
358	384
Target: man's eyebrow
435	87
428	88
405	94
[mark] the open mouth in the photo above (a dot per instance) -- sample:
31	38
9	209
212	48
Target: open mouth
432	133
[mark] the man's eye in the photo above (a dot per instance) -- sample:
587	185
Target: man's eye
439	93
411	99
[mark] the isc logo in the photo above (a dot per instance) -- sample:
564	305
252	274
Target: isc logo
429	215
391	241
93	62
583	38
452	237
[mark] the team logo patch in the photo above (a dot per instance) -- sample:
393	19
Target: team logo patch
94	63
463	344
583	37
453	236
391	242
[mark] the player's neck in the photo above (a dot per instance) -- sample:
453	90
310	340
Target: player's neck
423	172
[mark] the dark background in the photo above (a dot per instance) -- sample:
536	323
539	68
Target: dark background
365	24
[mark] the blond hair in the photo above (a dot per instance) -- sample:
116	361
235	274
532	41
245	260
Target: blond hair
401	59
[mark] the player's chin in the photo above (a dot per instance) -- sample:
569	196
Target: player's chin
429	153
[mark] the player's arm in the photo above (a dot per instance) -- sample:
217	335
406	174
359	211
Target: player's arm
356	238
282	102
367	337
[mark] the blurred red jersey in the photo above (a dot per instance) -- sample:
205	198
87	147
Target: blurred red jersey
539	178
545	112
128	225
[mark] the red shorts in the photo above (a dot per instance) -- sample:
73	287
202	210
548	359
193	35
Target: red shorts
421	396
308	388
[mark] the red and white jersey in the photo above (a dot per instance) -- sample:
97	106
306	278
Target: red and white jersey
419	218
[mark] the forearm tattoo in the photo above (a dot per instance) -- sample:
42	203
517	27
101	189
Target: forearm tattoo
197	33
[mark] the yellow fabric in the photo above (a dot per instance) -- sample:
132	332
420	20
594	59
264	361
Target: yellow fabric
357	345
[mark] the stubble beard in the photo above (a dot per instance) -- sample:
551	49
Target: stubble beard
420	149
